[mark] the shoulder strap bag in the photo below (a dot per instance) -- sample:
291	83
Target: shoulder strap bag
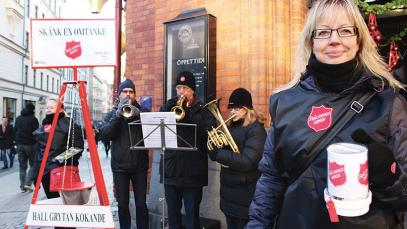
323	141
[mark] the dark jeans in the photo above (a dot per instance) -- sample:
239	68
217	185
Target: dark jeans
139	182
45	184
192	199
6	155
25	156
236	223
107	146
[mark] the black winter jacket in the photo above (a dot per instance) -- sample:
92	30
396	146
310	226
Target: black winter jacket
301	204
26	124
6	137
59	141
238	180
116	129
188	168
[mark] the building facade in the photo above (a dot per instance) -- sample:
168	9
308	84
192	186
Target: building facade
255	44
19	83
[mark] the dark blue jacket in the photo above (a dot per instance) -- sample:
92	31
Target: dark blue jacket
116	129
301	204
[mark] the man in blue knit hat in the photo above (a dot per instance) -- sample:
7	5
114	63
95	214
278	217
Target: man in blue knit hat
127	165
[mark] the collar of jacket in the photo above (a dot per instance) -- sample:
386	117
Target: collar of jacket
366	82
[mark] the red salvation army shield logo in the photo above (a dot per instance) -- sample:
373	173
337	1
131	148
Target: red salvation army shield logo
337	174
320	118
363	174
73	49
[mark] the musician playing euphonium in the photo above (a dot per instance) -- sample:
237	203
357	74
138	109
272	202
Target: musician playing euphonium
239	174
186	172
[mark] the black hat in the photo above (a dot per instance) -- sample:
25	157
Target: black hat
240	98
126	84
30	106
186	78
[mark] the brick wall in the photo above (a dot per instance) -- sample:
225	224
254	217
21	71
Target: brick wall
256	41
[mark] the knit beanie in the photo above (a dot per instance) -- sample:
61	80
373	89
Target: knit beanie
126	84
186	78
240	98
30	106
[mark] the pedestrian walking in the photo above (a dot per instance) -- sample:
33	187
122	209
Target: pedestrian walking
25	125
6	143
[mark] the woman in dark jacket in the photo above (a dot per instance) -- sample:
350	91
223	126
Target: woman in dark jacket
337	64
58	145
6	142
239	172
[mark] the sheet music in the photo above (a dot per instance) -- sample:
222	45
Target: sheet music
154	139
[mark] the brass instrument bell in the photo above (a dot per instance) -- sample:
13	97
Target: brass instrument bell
220	136
178	109
129	110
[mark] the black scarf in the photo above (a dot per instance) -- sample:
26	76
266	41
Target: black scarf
48	118
334	77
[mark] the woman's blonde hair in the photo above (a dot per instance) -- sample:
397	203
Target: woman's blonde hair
367	55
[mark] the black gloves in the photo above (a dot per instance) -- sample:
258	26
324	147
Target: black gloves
123	101
383	168
212	154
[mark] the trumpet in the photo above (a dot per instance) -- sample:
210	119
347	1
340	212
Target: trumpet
178	109
220	136
129	110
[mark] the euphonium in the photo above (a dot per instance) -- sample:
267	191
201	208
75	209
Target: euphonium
178	109
219	136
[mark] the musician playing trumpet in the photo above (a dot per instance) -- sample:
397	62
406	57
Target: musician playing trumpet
186	172
239	174
127	165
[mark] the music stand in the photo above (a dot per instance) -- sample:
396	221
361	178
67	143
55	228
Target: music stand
161	127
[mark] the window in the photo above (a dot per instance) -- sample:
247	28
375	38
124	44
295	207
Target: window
35	77
28	9
47	83
53	86
43	15
26	74
9	109
36	11
42	81
27	39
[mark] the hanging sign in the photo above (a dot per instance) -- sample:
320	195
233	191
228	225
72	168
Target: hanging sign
57	43
41	215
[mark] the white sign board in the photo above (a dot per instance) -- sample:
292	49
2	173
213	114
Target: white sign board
72	43
41	215
152	135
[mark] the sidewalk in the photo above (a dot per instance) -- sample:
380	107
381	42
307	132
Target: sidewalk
14	205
